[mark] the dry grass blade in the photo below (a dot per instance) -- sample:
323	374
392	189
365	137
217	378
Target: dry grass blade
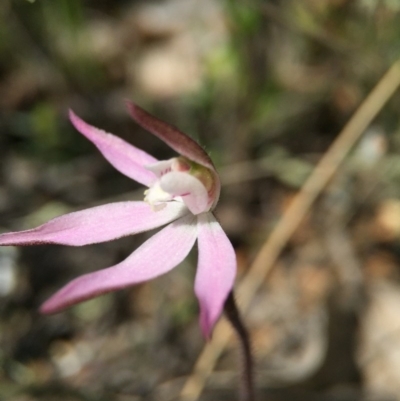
270	251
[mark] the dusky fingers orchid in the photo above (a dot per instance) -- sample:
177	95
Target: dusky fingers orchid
182	192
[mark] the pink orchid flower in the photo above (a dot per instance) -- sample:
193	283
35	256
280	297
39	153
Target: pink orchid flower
182	192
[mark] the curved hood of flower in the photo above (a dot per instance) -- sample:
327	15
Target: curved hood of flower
178	141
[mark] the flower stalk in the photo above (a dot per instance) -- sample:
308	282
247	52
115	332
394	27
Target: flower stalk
231	310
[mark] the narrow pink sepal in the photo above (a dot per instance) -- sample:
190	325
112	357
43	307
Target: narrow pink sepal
193	192
125	157
216	271
177	140
98	224
156	256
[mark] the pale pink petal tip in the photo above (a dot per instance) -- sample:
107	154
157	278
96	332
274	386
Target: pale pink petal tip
125	157
207	322
209	315
98	224
216	271
158	255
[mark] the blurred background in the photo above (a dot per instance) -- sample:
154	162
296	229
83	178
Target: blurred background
265	86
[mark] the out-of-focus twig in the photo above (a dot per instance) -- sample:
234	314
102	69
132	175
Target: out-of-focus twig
267	256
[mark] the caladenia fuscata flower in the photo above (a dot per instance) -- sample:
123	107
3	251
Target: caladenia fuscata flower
182	193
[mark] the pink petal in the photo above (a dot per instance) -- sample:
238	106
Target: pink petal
177	140
216	270
125	157
193	192
98	224
156	256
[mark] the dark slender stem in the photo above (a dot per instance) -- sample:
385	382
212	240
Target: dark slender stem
232	313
